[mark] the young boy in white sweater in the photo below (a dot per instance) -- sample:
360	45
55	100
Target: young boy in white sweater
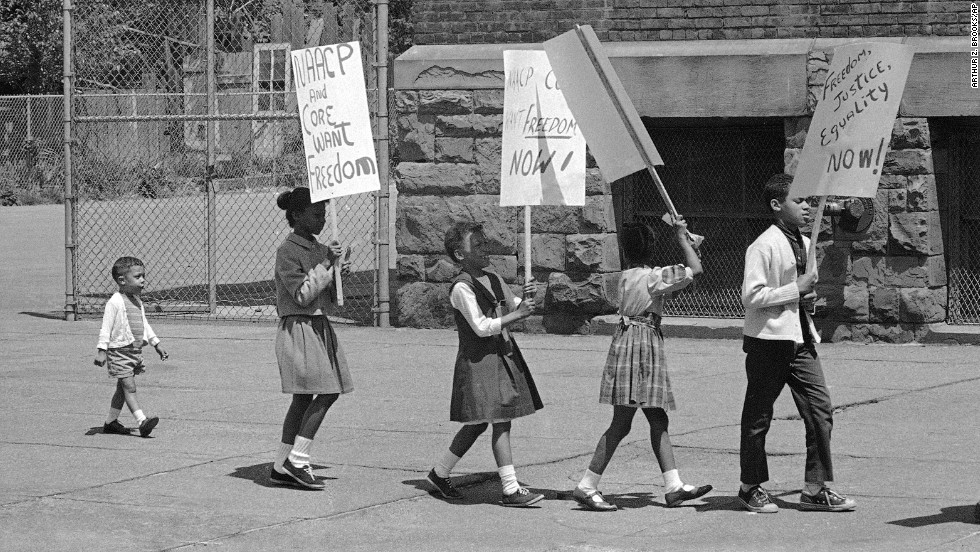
779	340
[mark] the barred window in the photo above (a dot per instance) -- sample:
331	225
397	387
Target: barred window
713	170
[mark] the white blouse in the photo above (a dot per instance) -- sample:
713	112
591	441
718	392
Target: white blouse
463	299
642	289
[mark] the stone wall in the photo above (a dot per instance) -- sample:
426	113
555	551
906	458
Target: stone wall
449	171
512	21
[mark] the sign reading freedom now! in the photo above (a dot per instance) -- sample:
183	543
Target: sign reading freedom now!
543	152
852	126
334	117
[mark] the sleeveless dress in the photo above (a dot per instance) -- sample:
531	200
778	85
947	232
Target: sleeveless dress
491	380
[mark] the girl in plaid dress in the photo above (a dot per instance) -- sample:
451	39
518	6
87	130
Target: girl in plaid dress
635	375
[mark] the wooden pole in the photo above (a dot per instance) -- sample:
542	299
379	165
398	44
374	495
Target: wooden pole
811	256
338	263
527	243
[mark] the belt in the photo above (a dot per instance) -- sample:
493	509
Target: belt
649	319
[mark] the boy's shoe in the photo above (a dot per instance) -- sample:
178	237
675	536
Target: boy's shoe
444	486
826	500
115	427
757	500
521	499
677	498
147	425
592	501
303	476
277	478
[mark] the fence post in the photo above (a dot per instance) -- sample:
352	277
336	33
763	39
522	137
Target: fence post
71	304
384	238
209	170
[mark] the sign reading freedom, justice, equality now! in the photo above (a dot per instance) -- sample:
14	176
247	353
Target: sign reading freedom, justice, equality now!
852	126
334	118
543	152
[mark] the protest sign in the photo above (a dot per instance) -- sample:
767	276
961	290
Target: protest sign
612	127
335	121
852	125
543	152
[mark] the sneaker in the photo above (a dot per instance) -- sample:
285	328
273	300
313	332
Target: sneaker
115	427
757	500
147	426
444	486
592	501
521	499
304	476
826	500
676	498
277	478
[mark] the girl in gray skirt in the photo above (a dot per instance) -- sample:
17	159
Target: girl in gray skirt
311	363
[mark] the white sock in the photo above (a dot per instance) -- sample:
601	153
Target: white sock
113	415
508	478
300	454
590	482
139	416
281	454
672	482
445	466
812	488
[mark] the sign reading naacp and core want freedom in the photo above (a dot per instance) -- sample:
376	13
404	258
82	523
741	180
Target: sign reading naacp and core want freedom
543	152
334	118
852	126
593	90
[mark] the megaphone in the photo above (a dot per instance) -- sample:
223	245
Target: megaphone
853	214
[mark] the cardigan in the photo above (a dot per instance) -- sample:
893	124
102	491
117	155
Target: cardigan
115	331
301	277
769	292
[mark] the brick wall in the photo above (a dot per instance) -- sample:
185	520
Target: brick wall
513	21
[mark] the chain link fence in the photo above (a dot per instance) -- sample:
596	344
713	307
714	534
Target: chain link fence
178	161
714	176
32	163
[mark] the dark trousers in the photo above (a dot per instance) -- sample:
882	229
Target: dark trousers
769	366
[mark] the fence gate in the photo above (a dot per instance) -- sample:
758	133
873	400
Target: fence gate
185	130
956	152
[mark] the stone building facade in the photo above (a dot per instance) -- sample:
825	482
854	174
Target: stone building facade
709	66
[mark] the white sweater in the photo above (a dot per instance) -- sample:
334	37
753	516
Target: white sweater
769	292
115	330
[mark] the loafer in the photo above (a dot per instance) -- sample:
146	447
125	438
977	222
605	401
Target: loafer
147	426
757	500
592	501
115	428
521	499
826	500
303	475
444	486
676	498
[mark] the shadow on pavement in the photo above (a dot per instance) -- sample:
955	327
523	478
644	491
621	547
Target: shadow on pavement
624	501
53	315
259	474
97	430
950	514
474	491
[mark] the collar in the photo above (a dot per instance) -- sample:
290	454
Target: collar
792	233
302	242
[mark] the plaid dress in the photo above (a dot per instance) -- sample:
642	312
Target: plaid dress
635	373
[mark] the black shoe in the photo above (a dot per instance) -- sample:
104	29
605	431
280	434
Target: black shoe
757	500
521	499
147	425
115	427
303	476
593	501
826	500
677	498
277	478
444	486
